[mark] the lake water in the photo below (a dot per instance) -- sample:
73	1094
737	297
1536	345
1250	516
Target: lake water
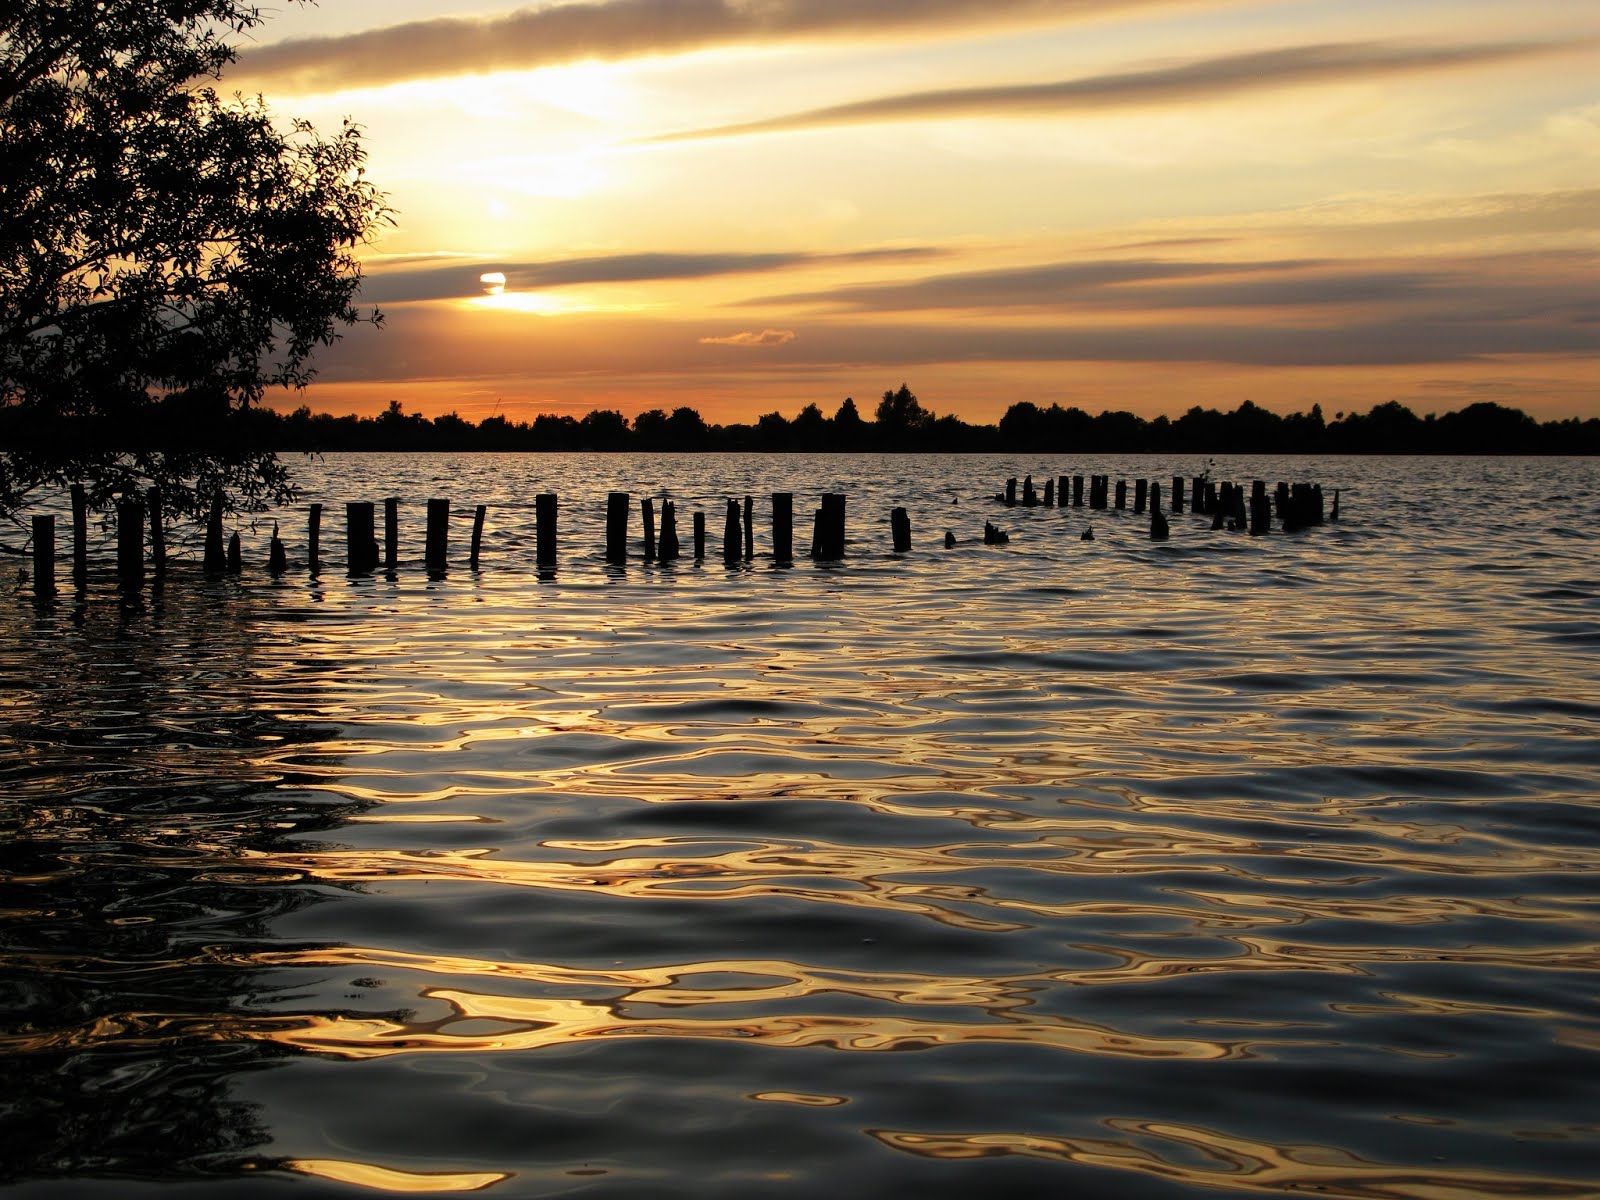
1220	866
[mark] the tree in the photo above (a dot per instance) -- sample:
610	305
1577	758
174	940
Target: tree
901	417
166	256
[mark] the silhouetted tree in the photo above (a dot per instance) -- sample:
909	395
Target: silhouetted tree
604	429
166	255
849	430
901	419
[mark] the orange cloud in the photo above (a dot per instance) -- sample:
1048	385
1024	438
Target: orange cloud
767	337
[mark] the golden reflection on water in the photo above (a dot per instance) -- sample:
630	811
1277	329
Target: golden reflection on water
1237	1164
388	1179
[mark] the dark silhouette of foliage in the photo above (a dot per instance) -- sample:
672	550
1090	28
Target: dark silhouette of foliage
166	255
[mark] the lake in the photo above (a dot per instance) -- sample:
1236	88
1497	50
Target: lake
1223	866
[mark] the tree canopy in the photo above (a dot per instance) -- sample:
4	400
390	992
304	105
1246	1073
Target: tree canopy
166	255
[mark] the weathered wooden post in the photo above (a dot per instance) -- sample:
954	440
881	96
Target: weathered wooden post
699	534
900	527
1198	494
80	536
1077	491
1061	492
731	541
783	526
130	543
44	556
477	535
1050	492
1334	515
1260	514
437	546
833	524
360	546
1280	501
1158	526
314	539
1218	518
1141	494
235	554
647	510
1208	495
617	527
544	527
277	559
1011	492
1155	495
1122	493
1177	493
816	533
749	529
1098	491
158	535
1316	504
214	562
391	533
1030	498
669	531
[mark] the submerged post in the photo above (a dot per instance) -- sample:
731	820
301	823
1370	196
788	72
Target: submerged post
1141	494
477	535
544	532
900	527
833	525
130	543
314	539
1122	493
361	548
730	532
438	542
647	510
617	527
1177	493
699	534
669	531
158	535
214	562
80	536
44	555
277	559
1050	493
391	533
783	526
1077	491
1030	498
749	529
235	554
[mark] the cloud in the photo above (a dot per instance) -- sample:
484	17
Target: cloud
462	278
767	337
617	29
1196	79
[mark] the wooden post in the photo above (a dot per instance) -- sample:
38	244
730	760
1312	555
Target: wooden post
699	534
1158	526
1141	494
816	533
1030	498
158	534
900	527
477	535
730	532
647	509
783	526
1177	493
235	554
1011	492
130	543
833	525
314	539
44	556
1155	495
1201	490
1208	495
391	533
437	552
1122	493
544	533
277	560
214	562
749	529
1050	493
80	536
1061	492
669	531
1319	512
1334	515
1077	491
1260	514
617	527
360	547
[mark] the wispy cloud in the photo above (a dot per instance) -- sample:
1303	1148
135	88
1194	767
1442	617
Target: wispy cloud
767	337
1195	79
618	29
462	278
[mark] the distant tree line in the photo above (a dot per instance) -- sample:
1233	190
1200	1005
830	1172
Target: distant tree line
899	423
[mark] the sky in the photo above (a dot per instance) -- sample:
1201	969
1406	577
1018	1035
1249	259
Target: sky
747	206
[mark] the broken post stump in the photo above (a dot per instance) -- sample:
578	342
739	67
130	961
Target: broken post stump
731	541
314	539
617	527
130	543
544	527
235	554
44	555
1177	493
783	526
900	530
214	562
391	533
277	558
437	545
699	534
1141	494
647	510
668	549
749	529
477	535
361	548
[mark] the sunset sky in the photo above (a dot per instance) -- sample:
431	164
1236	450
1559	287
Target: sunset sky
752	205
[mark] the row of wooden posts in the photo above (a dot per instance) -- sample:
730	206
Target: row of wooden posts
1296	506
